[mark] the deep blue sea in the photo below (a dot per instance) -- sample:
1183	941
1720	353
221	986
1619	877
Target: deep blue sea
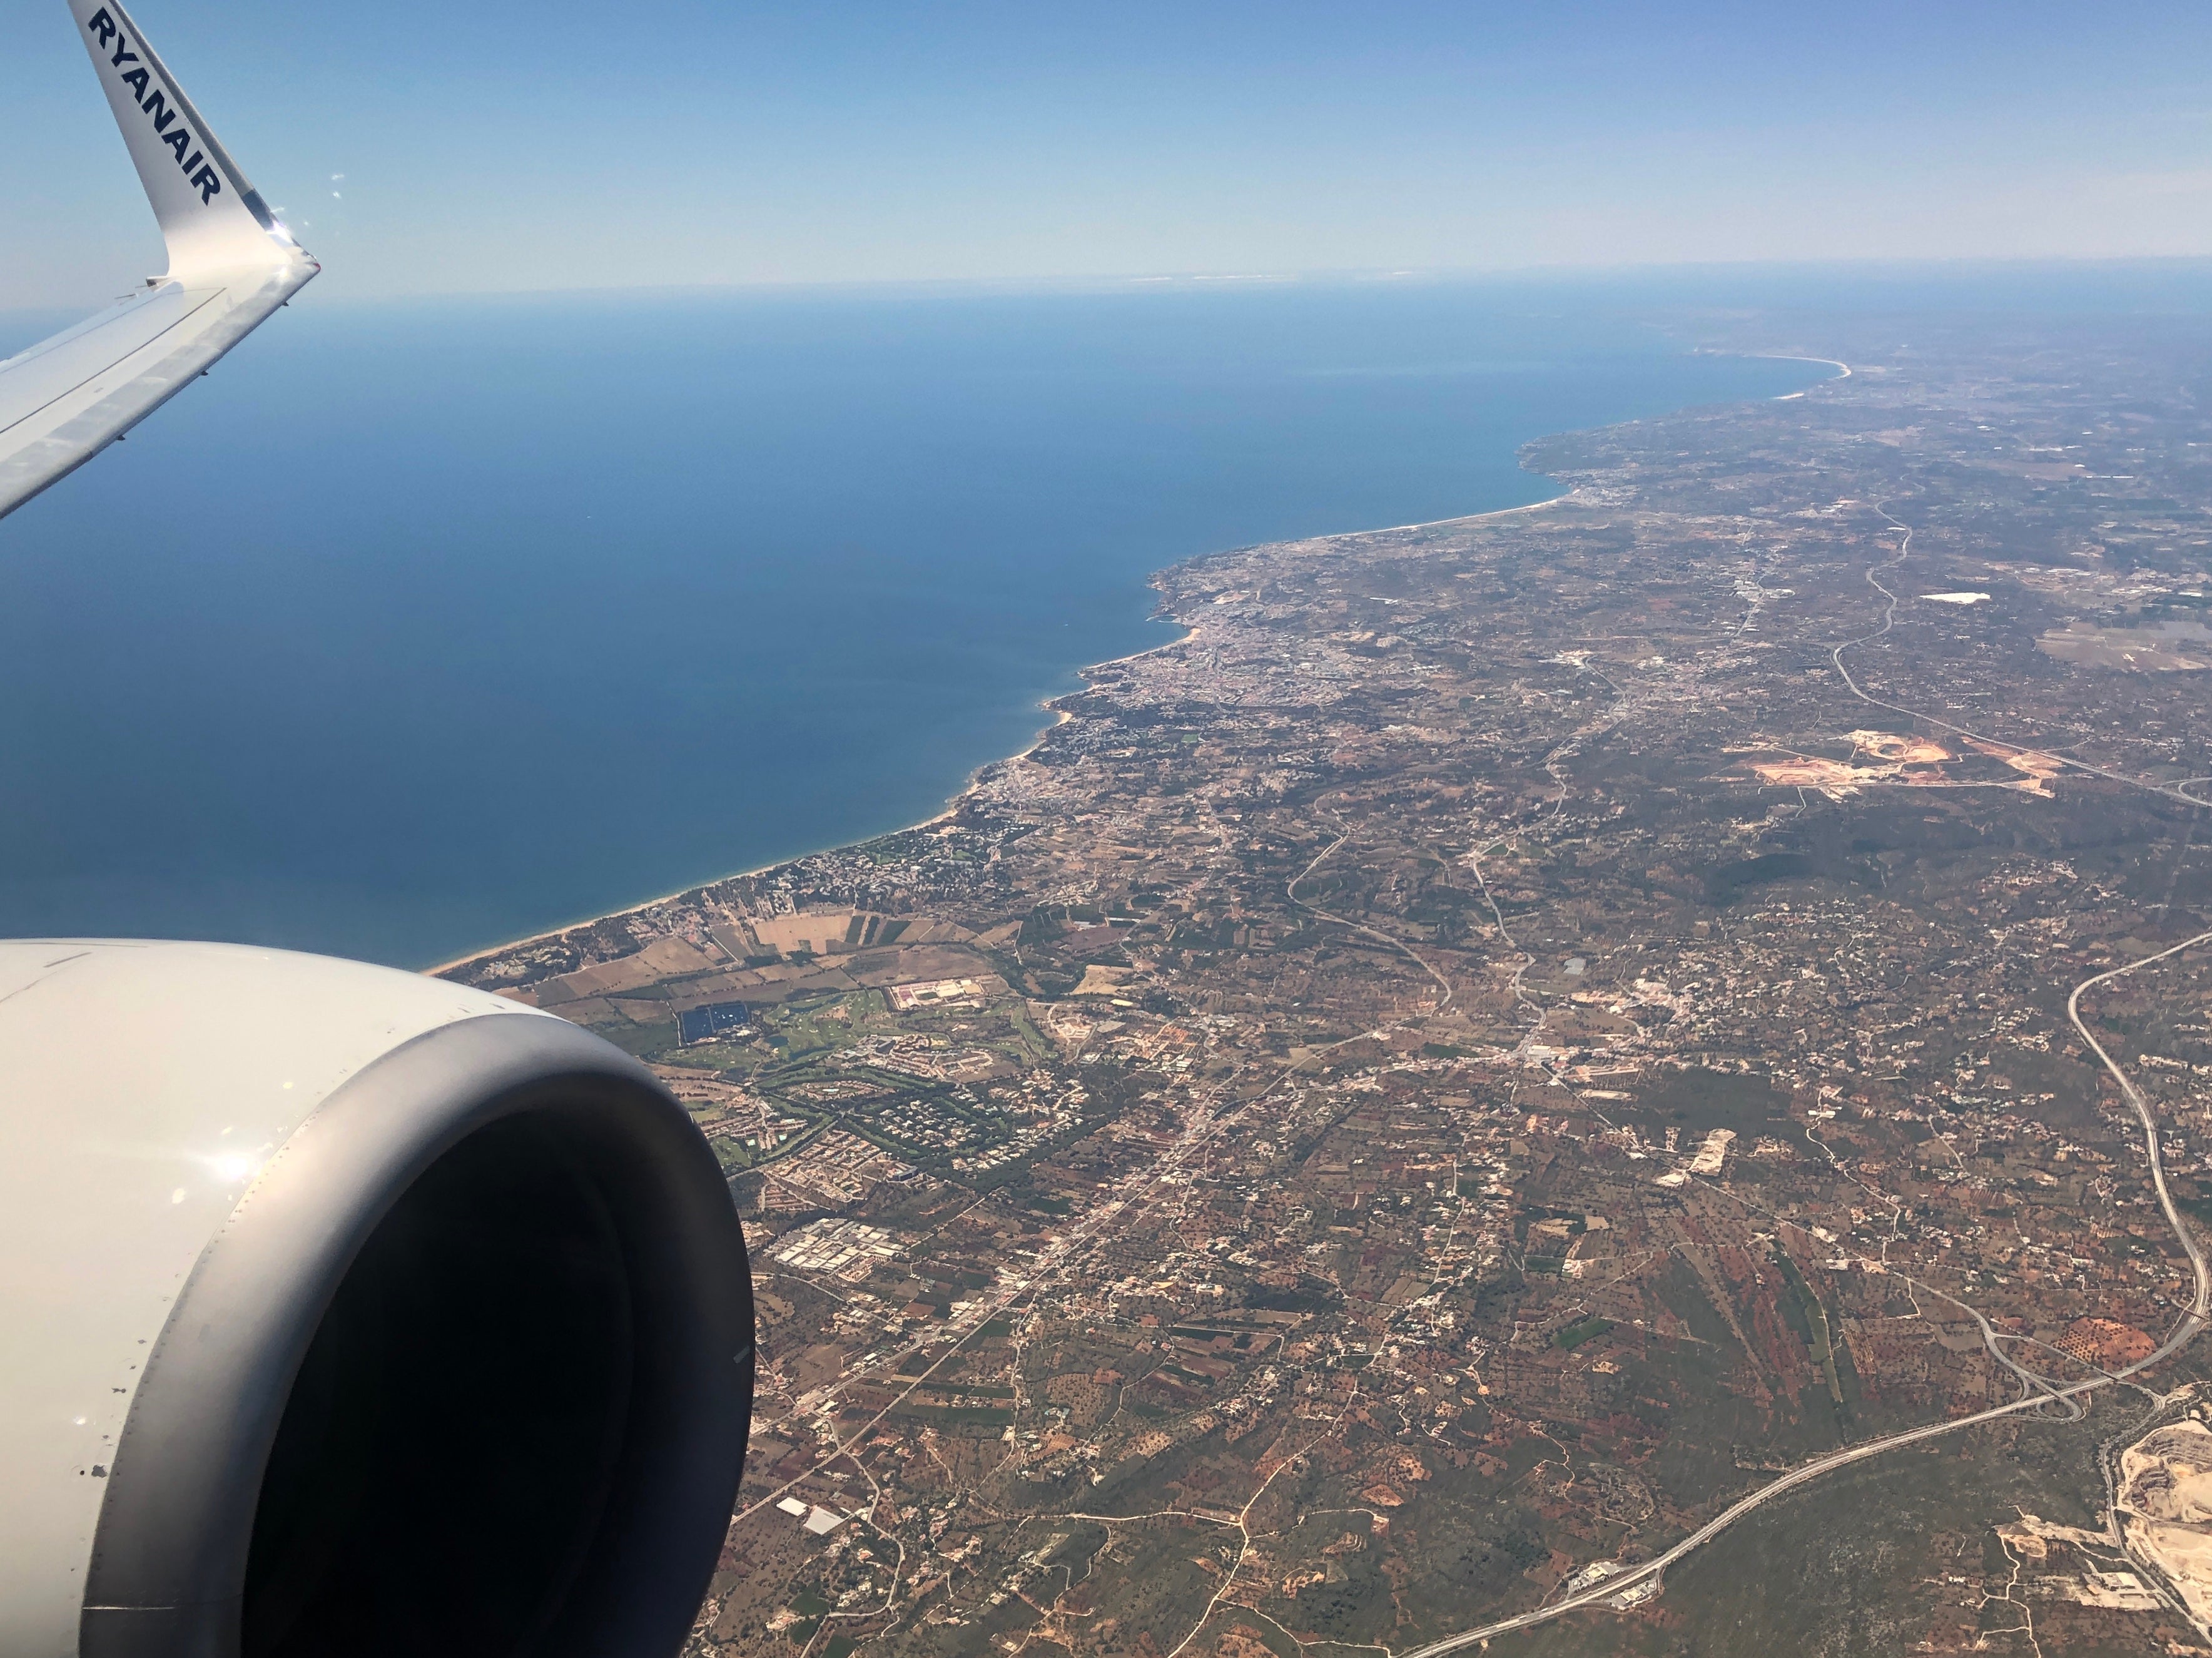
418	626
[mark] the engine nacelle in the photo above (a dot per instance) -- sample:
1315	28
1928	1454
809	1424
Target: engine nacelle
349	1312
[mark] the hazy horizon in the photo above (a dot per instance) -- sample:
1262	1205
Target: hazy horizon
512	149
2148	283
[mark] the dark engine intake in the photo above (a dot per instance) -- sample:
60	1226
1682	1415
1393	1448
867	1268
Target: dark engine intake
466	1369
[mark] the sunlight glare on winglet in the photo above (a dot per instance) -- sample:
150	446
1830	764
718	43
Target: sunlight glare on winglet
232	264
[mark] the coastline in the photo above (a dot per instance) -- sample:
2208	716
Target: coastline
952	802
1792	357
1059	718
1129	915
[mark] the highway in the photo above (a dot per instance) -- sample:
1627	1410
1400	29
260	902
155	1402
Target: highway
2038	1392
2198	1308
2043	1393
1290	892
2190	1324
2171	791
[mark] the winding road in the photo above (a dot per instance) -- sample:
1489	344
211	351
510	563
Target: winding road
2190	1324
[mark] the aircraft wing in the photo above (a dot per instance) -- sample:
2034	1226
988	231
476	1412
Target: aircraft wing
346	1312
231	263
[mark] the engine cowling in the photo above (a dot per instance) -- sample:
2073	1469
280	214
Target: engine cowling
349	1312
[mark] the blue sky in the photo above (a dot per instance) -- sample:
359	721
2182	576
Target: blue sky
556	144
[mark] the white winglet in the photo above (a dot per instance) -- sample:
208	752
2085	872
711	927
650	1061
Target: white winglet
231	264
210	218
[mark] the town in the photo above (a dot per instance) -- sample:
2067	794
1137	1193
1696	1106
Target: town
1510	1038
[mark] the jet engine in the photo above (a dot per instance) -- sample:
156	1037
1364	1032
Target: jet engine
349	1313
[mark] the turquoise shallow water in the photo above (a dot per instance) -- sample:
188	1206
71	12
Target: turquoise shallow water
419	627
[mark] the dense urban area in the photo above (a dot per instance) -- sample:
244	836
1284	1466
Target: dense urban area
1633	1076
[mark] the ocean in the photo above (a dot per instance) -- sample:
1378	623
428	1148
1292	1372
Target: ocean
418	626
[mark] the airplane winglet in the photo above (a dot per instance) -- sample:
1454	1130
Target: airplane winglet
231	264
210	217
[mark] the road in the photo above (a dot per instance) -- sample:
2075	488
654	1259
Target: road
2192	1322
2201	1307
1210	1120
1290	892
2171	791
1788	1482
